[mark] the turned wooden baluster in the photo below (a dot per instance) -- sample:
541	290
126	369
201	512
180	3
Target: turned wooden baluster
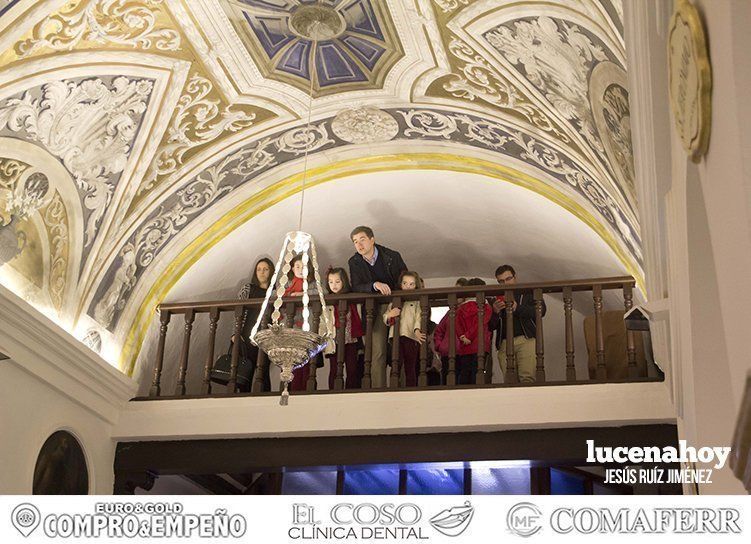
289	318
340	343
236	340
451	373
395	362
213	320
289	321
628	303
422	378
156	384
512	376
480	377
539	339
567	307
369	317
183	369
262	362
315	320
601	372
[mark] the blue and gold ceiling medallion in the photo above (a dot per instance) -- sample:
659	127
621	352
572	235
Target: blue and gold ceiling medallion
336	43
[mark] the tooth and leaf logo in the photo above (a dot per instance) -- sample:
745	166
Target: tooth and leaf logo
453	521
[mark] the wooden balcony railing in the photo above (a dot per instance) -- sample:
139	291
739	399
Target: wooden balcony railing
429	298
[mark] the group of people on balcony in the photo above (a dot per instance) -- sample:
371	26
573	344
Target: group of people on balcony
377	269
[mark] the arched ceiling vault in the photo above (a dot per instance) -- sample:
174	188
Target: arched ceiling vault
167	113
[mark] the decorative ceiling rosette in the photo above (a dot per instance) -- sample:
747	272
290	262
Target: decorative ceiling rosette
334	44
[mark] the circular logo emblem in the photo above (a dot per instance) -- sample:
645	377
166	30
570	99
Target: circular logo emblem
524	519
25	518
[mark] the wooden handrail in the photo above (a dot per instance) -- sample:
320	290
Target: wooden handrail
461	366
617	282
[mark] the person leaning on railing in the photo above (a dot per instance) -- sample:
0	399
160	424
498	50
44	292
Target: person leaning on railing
375	269
409	335
255	288
525	328
337	282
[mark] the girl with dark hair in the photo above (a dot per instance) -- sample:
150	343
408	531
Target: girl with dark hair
295	277
337	282
295	289
410	334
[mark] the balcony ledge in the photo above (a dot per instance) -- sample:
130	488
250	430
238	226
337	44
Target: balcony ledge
398	412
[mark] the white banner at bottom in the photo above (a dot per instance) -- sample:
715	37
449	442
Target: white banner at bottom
346	518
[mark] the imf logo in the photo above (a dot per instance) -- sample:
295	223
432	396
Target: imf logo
524	519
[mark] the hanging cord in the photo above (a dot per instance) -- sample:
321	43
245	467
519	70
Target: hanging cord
307	129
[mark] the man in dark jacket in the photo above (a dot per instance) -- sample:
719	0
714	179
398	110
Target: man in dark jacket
375	269
525	328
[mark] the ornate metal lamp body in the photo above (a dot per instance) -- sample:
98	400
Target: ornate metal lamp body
292	348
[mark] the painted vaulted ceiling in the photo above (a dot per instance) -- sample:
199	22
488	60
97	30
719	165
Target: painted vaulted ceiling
136	133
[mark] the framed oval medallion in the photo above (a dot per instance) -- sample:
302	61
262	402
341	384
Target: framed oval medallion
690	78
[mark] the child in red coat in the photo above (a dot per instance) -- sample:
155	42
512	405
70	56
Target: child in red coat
467	330
441	338
295	289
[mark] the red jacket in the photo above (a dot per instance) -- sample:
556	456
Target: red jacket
441	337
354	320
466	324
295	286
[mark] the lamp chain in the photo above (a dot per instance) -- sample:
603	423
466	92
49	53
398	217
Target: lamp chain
307	132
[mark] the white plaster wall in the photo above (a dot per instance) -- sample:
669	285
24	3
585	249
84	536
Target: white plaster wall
53	382
31	411
706	210
724	177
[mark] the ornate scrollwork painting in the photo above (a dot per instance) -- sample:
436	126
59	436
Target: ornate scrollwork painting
212	101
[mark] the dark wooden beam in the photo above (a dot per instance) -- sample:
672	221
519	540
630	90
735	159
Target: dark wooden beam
340	476
213	483
467	481
243	479
546	446
539	481
403	481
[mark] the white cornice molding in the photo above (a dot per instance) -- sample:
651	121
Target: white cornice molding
651	185
42	348
650	129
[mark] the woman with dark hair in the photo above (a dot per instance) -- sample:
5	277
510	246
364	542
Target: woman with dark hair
256	288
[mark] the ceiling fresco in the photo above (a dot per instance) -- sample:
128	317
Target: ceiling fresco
152	120
331	45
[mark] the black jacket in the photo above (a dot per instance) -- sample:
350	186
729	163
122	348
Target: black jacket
524	316
250	316
360	271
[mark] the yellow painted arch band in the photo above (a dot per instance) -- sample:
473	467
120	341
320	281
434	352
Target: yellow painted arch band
290	186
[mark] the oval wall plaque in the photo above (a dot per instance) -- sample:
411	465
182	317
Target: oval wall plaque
690	77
